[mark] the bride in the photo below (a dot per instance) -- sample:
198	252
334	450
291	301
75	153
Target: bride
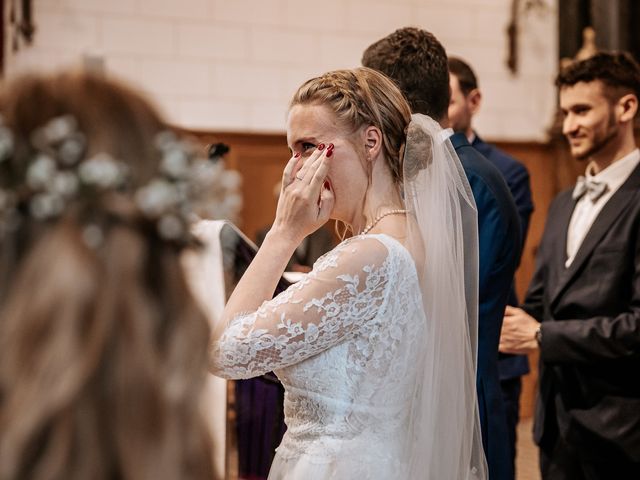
376	345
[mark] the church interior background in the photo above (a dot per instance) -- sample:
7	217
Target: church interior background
225	69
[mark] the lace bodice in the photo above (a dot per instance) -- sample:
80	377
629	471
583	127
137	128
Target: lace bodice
343	341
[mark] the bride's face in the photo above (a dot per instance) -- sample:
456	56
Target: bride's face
310	125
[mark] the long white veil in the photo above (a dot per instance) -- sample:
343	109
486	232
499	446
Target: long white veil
445	438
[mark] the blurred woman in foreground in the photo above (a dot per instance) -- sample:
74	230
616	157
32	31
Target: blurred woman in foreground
102	349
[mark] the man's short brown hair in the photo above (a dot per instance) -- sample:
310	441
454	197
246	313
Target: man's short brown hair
417	62
618	71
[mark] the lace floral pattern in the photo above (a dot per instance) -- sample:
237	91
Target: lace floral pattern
343	342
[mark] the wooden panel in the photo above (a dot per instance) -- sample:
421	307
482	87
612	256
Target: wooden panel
551	169
538	159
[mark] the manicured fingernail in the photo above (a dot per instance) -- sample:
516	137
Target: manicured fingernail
296	155
330	150
321	146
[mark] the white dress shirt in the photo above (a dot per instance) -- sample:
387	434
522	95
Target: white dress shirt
587	210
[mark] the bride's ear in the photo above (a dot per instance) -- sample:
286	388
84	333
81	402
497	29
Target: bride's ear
372	142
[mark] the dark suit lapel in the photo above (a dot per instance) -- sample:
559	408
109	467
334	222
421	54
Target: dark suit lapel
607	216
559	243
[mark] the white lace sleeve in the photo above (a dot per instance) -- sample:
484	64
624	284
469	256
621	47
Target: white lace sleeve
344	290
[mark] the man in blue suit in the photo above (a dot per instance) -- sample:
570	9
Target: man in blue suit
417	62
465	103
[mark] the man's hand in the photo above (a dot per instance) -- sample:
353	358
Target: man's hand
518	333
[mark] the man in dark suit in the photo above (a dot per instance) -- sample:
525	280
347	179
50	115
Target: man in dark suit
417	62
582	309
466	99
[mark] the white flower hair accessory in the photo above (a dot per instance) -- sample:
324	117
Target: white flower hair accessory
187	184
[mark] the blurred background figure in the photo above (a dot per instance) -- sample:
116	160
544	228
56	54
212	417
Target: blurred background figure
222	199
466	99
311	248
102	349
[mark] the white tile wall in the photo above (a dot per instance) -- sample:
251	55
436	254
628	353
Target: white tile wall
250	12
447	22
211	42
214	114
189	78
283	46
138	36
377	17
264	116
249	82
74	32
342	51
117	7
233	64
173	10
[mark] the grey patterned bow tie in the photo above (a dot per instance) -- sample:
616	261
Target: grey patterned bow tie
592	188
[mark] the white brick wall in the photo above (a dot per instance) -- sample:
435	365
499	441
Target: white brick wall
233	64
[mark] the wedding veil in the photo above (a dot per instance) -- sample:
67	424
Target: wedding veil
445	438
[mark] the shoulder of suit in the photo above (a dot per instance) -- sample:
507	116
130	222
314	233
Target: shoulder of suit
487	184
500	157
474	162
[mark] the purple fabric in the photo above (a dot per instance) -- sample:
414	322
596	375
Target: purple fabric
260	424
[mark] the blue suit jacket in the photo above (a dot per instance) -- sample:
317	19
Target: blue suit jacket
500	246
517	178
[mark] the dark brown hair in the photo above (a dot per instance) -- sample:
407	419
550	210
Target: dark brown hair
102	349
618	71
464	73
417	62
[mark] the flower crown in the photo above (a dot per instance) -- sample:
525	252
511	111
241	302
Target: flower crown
59	173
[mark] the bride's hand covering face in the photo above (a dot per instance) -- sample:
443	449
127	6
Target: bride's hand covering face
313	134
306	199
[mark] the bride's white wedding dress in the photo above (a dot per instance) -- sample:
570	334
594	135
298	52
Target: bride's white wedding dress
344	342
376	347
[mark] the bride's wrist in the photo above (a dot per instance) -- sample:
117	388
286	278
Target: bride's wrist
283	237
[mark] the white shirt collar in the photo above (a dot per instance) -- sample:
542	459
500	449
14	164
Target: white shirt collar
616	173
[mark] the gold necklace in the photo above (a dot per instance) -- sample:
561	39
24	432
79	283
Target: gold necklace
397	211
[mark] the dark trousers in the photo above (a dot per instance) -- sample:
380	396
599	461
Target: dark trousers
511	389
564	463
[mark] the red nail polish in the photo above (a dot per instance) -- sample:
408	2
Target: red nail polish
296	155
330	151
321	146
331	146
